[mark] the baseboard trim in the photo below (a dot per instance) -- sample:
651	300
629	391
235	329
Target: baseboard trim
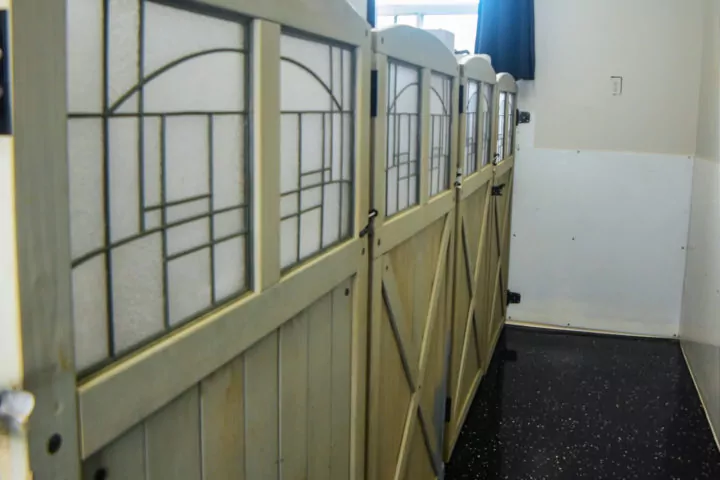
702	397
545	326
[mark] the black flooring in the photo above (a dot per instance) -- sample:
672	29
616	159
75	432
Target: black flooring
555	405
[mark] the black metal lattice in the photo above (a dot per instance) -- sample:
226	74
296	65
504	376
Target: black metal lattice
403	145
335	118
440	124
204	205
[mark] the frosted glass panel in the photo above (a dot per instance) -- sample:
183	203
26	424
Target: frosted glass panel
90	312
317	121
158	162
502	104
440	119
487	104
403	138
84	55
137	291
471	127
85	153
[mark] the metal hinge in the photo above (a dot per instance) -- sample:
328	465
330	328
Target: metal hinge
497	190
373	93
522	117
458	179
462	98
513	297
448	411
368	228
496	157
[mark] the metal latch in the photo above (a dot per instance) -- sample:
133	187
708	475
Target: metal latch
458	179
513	297
523	117
497	190
15	408
368	229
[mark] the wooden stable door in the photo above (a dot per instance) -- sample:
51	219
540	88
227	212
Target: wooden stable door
502	205
471	342
194	304
411	289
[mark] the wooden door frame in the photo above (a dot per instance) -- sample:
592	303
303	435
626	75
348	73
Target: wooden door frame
64	428
504	166
421	50
472	68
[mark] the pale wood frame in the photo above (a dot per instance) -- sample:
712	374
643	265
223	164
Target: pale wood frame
480	284
421	49
127	391
424	51
43	231
477	68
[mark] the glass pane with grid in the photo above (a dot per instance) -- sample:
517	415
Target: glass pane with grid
510	144
471	127
158	170
487	104
502	105
316	184
403	132
440	118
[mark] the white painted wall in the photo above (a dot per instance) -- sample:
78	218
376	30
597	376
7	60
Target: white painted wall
700	325
625	196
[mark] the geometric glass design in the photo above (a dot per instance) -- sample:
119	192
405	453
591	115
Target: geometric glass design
317	147
158	170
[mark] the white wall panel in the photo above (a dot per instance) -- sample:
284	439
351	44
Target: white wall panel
598	238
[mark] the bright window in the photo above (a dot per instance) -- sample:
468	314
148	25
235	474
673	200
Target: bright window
456	16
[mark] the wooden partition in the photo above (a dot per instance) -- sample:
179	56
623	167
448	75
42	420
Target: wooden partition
414	160
506	108
470	330
198	278
218	168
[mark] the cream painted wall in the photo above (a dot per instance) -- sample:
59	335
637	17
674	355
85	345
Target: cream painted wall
653	44
602	199
700	323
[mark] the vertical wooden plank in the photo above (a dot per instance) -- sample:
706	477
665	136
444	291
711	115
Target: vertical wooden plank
379	125
320	327
123	459
359	287
43	232
266	152
223	422
342	315
294	398
375	365
425	82
455	158
261	409
173	439
461	147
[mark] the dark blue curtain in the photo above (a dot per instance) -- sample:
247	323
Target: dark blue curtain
506	32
